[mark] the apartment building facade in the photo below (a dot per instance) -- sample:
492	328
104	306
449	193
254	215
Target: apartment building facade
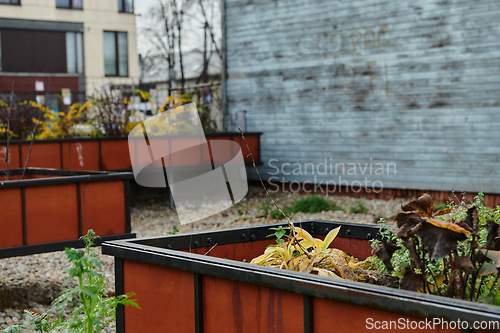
81	45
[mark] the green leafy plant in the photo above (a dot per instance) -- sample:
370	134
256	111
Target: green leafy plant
314	204
174	230
401	256
279	232
359	207
95	310
311	205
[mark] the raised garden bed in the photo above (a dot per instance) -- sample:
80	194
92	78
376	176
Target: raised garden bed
94	154
181	289
50	209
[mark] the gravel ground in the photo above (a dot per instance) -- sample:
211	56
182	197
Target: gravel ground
32	282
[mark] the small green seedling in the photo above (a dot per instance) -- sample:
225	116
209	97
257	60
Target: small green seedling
279	233
174	230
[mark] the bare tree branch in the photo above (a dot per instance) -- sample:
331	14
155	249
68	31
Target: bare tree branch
203	12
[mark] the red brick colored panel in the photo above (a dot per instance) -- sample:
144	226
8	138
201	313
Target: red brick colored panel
115	155
360	248
246	250
103	207
206	155
221	157
51	213
497	200
51	83
165	295
13	157
329	316
144	158
253	144
490	200
341	243
187	151
250	250
43	155
11	219
81	155
230	306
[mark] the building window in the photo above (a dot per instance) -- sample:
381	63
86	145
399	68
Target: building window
115	53
9	2
126	6
68	4
74	52
41	51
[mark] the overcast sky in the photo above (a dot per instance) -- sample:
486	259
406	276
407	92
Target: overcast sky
192	30
141	6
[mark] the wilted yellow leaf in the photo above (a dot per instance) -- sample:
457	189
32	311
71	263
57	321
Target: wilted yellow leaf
329	238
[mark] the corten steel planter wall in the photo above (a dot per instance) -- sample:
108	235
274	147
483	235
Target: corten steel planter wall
50	209
179	289
94	154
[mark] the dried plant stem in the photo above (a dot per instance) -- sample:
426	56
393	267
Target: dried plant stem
426	267
210	249
478	293
31	146
462	285
290	223
8	131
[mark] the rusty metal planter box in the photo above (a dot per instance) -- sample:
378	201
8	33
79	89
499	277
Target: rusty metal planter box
180	289
94	154
50	209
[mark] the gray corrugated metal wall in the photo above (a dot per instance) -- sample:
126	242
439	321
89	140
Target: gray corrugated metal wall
415	84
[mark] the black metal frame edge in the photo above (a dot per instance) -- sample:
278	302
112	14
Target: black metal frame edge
119	290
66	180
25	250
198	303
229	236
349	230
54	172
107	138
308	314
